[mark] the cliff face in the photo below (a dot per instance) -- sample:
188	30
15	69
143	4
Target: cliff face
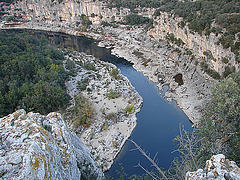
216	168
199	44
68	13
33	146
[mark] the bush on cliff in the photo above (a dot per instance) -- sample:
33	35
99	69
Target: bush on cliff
220	127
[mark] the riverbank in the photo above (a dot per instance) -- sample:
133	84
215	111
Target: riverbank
157	60
163	64
114	102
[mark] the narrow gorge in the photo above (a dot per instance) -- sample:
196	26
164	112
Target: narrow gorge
149	52
184	66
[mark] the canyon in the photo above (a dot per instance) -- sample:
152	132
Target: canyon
149	52
162	61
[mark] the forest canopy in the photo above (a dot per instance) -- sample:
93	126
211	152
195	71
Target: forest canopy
31	74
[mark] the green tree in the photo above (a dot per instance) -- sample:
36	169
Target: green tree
31	74
220	128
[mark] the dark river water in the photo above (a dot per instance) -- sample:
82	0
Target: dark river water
158	121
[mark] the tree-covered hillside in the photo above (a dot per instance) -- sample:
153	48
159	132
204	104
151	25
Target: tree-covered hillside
31	75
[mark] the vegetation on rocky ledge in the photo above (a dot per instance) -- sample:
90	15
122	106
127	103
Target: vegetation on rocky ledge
82	112
202	16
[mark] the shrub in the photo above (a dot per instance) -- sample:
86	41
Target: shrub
82	112
220	127
89	66
129	109
115	73
112	94
134	19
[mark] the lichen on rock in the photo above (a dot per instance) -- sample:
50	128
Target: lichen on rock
218	167
33	146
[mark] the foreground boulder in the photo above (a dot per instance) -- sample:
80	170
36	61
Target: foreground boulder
33	146
217	168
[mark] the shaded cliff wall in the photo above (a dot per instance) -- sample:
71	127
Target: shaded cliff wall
199	44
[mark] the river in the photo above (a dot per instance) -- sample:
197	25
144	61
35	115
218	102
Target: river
158	121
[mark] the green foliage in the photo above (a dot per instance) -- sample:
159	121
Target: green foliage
211	72
89	66
31	75
82	112
134	3
115	73
83	84
70	64
228	70
112	94
85	20
105	23
129	109
174	40
209	55
8	1
220	128
134	19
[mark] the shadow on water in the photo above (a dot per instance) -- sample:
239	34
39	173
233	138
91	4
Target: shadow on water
158	121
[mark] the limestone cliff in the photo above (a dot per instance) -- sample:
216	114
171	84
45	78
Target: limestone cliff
198	44
33	146
217	168
68	13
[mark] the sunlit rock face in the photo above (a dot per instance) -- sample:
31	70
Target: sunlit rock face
33	146
217	168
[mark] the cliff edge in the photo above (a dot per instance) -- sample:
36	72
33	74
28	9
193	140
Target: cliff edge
33	146
216	168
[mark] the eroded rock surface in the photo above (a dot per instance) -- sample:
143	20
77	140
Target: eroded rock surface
33	146
218	168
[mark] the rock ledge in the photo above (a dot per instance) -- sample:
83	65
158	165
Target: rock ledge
33	146
217	168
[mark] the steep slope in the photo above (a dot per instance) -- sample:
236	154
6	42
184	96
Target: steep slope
33	146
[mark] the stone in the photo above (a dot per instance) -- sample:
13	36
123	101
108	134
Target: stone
33	152
217	168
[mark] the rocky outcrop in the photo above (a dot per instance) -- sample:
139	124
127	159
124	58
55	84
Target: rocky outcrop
218	168
33	146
